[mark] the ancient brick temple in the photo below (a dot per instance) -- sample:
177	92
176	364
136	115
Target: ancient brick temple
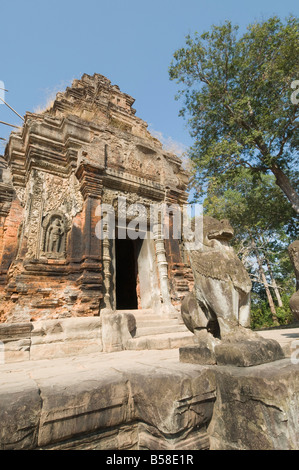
87	149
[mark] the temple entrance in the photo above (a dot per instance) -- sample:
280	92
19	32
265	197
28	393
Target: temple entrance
135	276
126	253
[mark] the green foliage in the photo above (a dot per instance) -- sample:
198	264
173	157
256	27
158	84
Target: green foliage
237	97
252	203
261	316
236	93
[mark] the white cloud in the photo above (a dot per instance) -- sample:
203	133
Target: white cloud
173	146
169	143
50	95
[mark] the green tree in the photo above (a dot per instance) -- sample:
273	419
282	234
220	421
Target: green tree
237	94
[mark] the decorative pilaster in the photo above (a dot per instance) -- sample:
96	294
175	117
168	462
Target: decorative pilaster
90	281
107	273
162	265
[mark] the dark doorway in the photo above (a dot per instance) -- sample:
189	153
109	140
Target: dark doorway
126	274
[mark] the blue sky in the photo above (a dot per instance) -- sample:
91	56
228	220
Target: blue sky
46	44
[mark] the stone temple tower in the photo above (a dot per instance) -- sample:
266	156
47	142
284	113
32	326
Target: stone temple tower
87	151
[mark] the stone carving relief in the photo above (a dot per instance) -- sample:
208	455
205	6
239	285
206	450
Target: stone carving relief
146	165
54	228
172	174
132	158
93	153
47	194
129	210
116	156
21	194
62	194
128	205
33	213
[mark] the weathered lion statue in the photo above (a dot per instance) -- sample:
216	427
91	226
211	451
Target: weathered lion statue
220	301
217	311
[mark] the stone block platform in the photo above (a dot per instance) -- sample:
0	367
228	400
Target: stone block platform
68	337
123	400
139	400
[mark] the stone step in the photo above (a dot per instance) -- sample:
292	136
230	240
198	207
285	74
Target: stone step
141	315
150	314
147	318
161	341
151	319
155	331
160	329
138	312
155	321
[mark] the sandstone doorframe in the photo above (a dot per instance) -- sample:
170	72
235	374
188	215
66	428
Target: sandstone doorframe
152	270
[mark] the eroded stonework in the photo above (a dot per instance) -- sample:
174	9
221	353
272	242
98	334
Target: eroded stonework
88	148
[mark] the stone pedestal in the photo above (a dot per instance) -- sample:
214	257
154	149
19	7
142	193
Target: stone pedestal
248	353
197	355
240	353
257	408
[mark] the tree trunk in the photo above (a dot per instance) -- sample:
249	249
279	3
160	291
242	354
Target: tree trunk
268	292
285	185
274	285
264	281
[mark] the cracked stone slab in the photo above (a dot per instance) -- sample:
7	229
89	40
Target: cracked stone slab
257	408
126	400
147	400
20	411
